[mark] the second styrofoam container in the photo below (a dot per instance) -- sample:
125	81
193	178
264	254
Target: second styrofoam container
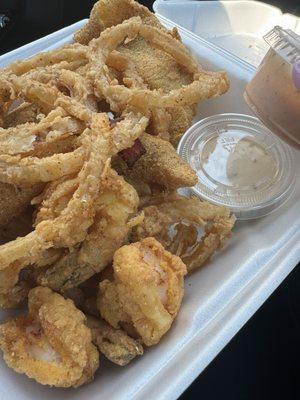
237	26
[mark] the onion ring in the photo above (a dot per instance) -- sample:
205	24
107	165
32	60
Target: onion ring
99	144
116	202
25	137
73	52
160	119
205	84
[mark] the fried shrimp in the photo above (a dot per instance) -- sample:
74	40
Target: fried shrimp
176	222
51	344
147	290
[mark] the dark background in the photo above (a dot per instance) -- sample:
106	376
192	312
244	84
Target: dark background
262	361
32	19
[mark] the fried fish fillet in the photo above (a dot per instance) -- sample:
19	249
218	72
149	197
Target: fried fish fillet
157	69
160	165
106	13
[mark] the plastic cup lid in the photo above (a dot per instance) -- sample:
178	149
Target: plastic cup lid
285	42
240	164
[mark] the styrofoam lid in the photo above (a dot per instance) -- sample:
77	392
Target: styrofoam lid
236	26
240	164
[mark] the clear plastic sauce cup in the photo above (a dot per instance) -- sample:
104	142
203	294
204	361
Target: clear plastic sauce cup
240	164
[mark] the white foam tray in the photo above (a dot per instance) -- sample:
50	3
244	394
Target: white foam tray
237	26
219	298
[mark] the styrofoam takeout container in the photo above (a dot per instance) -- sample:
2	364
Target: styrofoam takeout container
237	26
219	298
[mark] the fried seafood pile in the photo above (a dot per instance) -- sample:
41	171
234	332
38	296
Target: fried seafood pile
51	343
93	233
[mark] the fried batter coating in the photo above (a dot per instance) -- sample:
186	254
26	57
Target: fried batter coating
106	13
157	69
160	71
147	290
25	112
14	200
51	344
63	230
54	133
204	85
70	226
161	165
68	82
85	295
49	138
115	344
176	222
18	226
115	204
57	139
70	52
16	296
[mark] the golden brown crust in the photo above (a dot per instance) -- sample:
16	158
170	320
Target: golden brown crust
156	68
160	165
26	112
51	344
147	290
64	115
115	344
185	217
116	203
14	200
70	225
107	13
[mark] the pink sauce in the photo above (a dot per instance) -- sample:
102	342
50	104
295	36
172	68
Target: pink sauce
274	98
